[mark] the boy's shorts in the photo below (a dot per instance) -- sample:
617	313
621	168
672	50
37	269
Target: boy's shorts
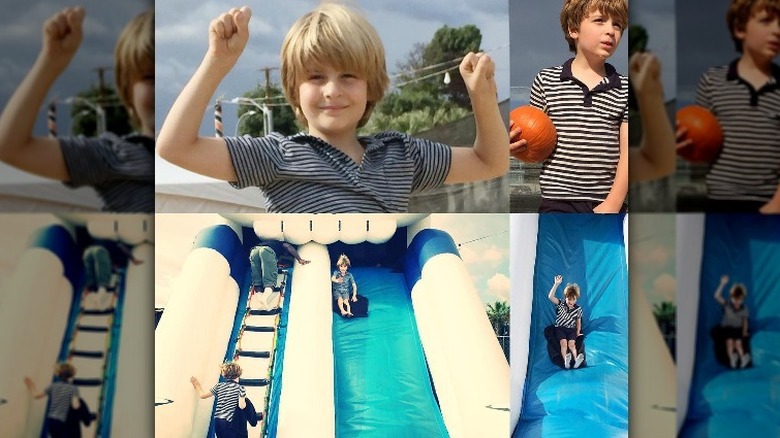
731	332
339	294
569	334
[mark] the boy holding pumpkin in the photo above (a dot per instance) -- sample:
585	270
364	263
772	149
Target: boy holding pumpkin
587	101
745	98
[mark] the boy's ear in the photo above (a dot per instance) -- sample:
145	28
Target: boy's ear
739	34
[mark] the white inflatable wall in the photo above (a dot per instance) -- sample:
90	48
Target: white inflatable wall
306	404
190	340
690	244
522	237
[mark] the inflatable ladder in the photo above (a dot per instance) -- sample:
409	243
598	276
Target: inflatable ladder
91	348
255	348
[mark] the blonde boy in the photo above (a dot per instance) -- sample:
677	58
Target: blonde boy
735	322
344	285
121	170
568	321
333	75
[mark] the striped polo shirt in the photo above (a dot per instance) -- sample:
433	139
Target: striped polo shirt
121	170
227	394
566	317
584	163
61	395
748	167
303	173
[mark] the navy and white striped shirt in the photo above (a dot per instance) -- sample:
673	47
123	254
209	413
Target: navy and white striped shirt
120	169
566	317
303	173
583	165
748	167
61	396
227	394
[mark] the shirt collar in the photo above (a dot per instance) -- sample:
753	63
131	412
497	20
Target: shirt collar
732	74
613	77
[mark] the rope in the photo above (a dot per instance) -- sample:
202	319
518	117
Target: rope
483	237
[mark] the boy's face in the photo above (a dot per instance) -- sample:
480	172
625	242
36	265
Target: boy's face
343	269
570	301
332	101
737	301
143	104
761	36
598	35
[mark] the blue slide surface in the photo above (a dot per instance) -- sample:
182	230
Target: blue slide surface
382	384
724	402
593	401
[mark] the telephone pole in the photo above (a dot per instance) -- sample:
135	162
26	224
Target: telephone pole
267	71
101	82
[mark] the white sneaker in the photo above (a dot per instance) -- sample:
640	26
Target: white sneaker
733	360
567	361
579	361
743	361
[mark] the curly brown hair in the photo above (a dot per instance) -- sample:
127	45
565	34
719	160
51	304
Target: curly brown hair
574	11
739	14
231	370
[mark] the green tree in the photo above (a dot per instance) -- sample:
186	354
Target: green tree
498	314
283	115
450	43
84	119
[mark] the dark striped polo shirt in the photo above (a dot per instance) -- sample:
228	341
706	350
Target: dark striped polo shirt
227	394
566	317
748	167
303	173
61	395
121	170
584	163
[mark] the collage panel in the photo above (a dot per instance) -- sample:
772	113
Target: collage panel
75	294
727	324
569	97
77	97
728	106
569	325
333	107
332	325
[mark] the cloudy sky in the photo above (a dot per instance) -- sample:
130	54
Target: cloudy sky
20	42
707	31
652	256
537	41
483	244
182	40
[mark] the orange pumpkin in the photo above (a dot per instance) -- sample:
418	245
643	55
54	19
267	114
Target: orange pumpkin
537	129
703	130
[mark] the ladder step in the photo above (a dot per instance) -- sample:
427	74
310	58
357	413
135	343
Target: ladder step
92	328
96	312
261	354
254	382
274	311
257	328
84	353
87	382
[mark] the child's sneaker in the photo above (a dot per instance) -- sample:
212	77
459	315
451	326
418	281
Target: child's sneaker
743	361
567	361
733	360
579	361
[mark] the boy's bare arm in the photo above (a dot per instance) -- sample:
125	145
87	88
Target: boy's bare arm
723	281
773	206
579	326
32	390
201	393
488	158
551	296
62	35
744	327
617	194
179	141
655	156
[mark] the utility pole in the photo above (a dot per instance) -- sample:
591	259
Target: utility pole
101	82
267	71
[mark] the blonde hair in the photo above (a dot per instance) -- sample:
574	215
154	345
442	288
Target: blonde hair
337	36
738	291
64	370
134	59
343	261
575	11
231	370
740	12
572	290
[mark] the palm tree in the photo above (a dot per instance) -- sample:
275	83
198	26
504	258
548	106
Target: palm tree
498	314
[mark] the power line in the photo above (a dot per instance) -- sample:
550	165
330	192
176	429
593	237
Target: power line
483	237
